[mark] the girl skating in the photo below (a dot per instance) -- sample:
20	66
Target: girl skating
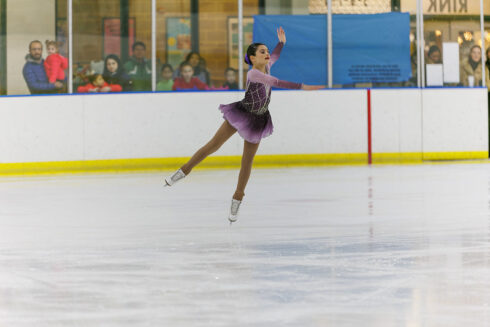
249	117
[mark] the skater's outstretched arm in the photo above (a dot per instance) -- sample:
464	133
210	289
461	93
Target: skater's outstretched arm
257	76
281	36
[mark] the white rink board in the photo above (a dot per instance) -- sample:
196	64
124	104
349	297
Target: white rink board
396	121
318	122
41	128
455	120
154	125
161	125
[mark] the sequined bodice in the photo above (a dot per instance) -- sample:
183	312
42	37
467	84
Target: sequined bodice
257	98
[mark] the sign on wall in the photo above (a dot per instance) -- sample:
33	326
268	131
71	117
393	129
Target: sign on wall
446	7
248	23
350	6
360	6
178	39
112	35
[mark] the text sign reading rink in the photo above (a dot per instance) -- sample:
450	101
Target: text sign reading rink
445	7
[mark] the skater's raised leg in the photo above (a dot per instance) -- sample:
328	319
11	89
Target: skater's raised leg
222	135
249	151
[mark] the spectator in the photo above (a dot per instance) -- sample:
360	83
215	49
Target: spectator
114	73
230	75
35	74
139	68
198	65
188	81
471	69
434	55
166	82
97	84
203	71
55	64
487	73
487	80
413	63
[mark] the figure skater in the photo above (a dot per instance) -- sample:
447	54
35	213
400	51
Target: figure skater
249	117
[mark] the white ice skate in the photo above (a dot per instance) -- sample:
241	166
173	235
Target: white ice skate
235	205
174	178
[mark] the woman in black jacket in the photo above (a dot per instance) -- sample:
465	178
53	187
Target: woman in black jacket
114	73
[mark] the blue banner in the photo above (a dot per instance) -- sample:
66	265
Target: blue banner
366	48
304	58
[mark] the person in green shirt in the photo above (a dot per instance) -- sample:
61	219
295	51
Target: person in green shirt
139	68
166	81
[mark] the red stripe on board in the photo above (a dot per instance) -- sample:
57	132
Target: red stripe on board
370	153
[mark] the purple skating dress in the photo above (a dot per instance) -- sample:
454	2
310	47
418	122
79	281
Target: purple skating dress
251	117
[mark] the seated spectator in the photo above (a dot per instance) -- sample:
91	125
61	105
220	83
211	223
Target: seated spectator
188	81
434	55
471	69
487	72
139	68
230	75
202	68
55	64
35	73
166	82
198	65
114	73
97	84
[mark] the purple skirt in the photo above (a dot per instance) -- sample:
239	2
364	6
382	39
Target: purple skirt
250	126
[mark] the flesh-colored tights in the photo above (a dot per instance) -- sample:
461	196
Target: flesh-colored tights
221	136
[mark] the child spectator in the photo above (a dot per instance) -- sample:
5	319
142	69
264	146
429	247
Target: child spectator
55	64
198	65
166	83
187	81
97	84
230	75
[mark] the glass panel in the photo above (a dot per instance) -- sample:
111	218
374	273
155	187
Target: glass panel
452	43
3	50
410	6
303	58
193	43
111	45
138	64
366	53
174	40
486	8
43	72
214	18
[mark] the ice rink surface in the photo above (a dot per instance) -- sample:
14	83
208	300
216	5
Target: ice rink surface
336	246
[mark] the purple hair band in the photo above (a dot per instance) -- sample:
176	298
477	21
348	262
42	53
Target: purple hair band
247	60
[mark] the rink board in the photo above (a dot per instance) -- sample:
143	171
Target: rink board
120	132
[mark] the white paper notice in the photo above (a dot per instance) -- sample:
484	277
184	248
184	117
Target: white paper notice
434	75
450	59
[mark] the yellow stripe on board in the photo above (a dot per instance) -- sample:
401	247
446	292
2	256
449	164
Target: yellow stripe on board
471	155
221	162
397	158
